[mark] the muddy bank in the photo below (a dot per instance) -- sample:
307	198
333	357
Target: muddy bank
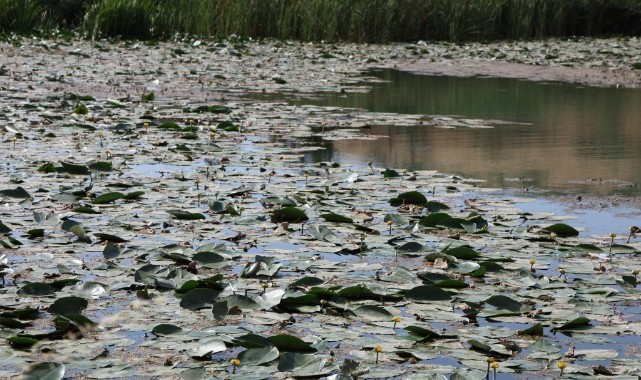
594	62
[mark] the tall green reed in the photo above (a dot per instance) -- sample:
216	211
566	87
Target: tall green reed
23	16
333	20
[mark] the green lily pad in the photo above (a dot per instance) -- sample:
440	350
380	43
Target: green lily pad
577	323
427	293
68	305
166	329
111	251
289	214
462	253
75	169
207	347
287	343
185	215
18	192
562	230
108	197
335	218
373	313
535	330
44	371
80	233
198	298
101	166
410	197
258	356
21	343
37	289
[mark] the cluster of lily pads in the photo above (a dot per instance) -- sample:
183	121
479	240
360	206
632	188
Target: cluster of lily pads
171	237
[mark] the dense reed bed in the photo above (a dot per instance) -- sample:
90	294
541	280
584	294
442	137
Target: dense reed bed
329	20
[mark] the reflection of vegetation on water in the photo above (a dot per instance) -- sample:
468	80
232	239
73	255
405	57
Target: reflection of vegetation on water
329	20
544	135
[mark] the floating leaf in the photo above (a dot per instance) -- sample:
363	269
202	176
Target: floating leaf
536	330
68	305
18	192
4	229
75	169
504	302
207	347
80	233
561	230
373	313
579	322
21	343
335	218
390	173
434	206
306	282
258	356
37	289
73	322
36	233
453	284
244	303
462	252
108	197
479	346
321	232
410	197
101	166
85	210
410	247
12	323
288	214
166	329
433	220
111	251
134	195
286	343
427	293
198	298
423	333
109	238
185	215
251	341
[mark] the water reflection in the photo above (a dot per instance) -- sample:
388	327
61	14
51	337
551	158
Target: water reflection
558	137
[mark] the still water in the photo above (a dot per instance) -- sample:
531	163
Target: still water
550	136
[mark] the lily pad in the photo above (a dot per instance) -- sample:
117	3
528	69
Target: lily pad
289	214
427	293
44	371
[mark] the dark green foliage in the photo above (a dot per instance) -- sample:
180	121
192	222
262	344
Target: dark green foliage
328	20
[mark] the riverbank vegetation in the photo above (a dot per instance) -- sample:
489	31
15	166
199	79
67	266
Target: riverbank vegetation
329	20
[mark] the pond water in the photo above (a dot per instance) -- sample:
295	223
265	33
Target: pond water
550	136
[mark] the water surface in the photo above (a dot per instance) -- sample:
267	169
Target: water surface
552	136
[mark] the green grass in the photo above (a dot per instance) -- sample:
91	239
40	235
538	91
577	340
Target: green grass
22	16
330	20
